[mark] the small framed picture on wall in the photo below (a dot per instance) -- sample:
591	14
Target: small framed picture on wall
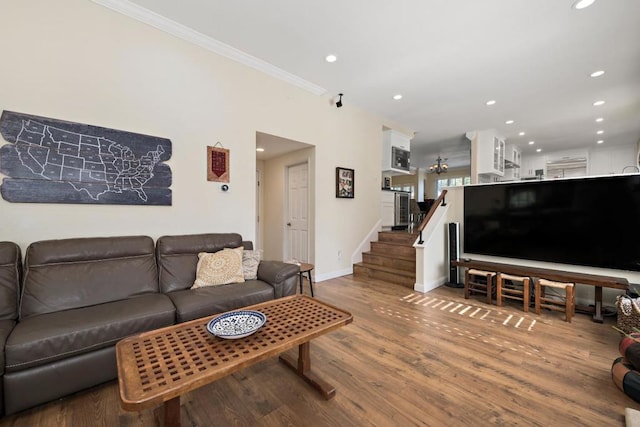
345	179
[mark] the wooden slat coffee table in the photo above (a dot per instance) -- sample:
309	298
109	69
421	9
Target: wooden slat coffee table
159	366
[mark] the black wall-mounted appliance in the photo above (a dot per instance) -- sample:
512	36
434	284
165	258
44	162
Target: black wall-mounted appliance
589	221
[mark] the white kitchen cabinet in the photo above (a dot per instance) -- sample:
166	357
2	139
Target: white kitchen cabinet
531	164
396	148
490	150
387	201
512	163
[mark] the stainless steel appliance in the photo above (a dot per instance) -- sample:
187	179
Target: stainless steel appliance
401	209
400	158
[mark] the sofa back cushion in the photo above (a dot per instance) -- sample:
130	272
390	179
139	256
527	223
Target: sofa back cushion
73	273
10	270
178	256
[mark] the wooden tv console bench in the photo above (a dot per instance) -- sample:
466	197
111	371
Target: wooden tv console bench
556	275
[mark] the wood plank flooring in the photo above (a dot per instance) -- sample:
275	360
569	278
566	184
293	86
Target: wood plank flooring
408	359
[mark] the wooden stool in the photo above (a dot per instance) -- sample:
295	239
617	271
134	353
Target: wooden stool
568	305
471	285
511	292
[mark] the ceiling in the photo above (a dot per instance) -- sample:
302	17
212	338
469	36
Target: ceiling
447	58
275	146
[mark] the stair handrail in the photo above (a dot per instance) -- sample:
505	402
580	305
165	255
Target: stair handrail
440	201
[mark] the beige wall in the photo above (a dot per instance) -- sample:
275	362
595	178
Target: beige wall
78	61
400	180
432	178
429	181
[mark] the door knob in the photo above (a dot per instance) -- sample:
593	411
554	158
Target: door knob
288	224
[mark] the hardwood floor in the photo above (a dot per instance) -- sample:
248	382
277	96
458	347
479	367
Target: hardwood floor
408	359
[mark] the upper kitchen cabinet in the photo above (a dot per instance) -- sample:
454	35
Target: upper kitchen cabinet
395	152
512	162
488	149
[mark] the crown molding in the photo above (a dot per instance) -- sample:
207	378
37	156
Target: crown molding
162	23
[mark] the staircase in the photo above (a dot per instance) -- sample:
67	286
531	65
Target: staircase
392	259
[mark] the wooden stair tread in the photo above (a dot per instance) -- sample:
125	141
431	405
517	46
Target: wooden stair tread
396	233
393	246
385	236
387	269
400	244
392	255
392	259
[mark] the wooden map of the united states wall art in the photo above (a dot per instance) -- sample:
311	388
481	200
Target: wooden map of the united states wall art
55	161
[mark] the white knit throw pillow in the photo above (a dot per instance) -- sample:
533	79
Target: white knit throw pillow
250	262
219	268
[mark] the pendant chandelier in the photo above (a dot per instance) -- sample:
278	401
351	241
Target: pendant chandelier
439	166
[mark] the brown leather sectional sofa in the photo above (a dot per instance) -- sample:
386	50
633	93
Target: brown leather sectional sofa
10	273
60	321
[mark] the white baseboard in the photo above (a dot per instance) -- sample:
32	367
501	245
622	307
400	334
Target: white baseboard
333	274
431	285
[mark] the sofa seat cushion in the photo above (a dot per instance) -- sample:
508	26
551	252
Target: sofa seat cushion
43	339
195	303
6	326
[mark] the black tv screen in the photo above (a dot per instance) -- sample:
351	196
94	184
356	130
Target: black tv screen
590	221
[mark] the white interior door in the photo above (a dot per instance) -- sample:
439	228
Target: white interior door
297	221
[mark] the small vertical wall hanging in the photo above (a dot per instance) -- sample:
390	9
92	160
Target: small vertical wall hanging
217	163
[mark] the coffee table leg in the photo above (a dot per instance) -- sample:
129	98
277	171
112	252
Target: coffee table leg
172	412
302	367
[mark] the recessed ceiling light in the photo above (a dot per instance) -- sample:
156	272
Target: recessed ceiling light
509	122
538	150
597	73
521	133
531	142
260	149
581	4
600	132
491	102
600	141
397	97
599	119
331	58
598	103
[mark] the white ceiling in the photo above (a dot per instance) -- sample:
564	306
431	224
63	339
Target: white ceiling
447	58
275	146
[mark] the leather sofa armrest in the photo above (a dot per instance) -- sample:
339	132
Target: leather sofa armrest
281	275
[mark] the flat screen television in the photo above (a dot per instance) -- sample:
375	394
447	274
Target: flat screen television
589	221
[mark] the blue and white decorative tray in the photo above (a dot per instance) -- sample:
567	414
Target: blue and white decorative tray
236	324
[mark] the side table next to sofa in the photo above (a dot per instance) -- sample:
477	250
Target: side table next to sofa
306	268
